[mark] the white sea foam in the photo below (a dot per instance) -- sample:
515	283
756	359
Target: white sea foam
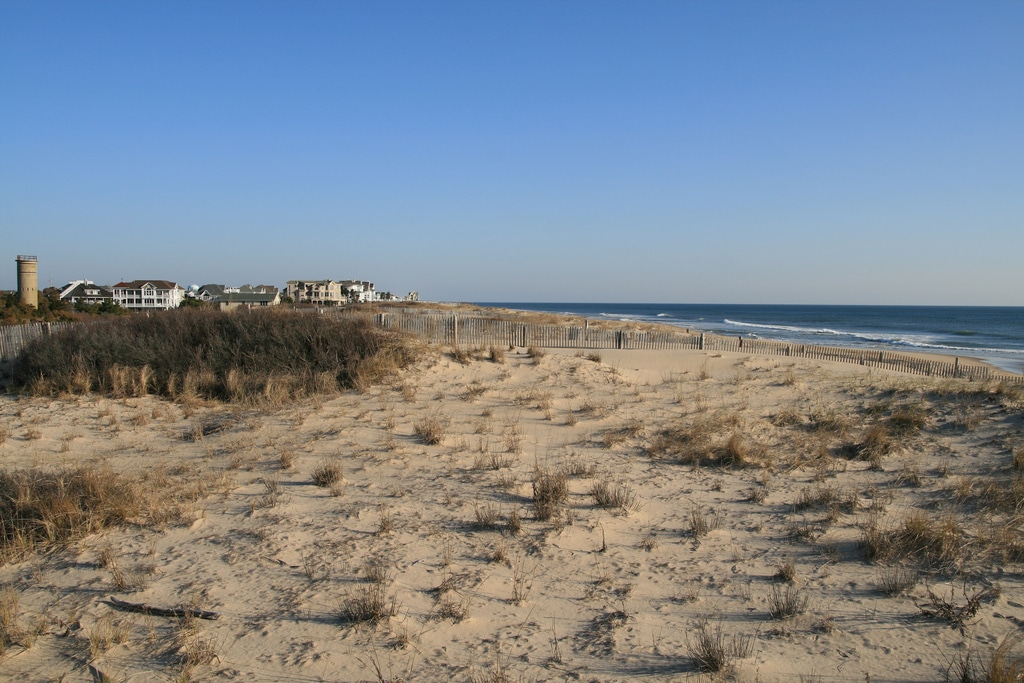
917	341
621	317
786	328
965	349
924	342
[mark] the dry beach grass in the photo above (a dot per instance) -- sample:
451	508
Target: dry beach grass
499	514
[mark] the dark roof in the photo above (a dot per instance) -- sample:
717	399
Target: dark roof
213	290
139	284
79	291
245	297
258	289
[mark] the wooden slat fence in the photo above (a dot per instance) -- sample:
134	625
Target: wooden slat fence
483	331
13	338
467	330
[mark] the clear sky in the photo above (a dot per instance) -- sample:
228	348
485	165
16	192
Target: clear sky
684	151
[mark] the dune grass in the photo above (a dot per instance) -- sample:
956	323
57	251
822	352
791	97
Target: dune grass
197	354
45	508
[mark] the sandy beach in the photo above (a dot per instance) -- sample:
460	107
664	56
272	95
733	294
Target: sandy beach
818	521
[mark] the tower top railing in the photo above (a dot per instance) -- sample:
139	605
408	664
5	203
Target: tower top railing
22	257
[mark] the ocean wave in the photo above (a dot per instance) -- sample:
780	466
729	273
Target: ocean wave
622	317
922	342
974	350
788	328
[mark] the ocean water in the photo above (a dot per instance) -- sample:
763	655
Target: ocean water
992	333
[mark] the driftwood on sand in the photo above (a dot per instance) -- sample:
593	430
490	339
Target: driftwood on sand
165	611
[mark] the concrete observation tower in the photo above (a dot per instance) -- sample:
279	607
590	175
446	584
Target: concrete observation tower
28	280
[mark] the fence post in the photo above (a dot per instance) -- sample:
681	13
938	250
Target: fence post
700	343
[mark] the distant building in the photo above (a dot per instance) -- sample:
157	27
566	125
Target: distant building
249	297
28	280
358	291
333	292
388	296
87	292
234	297
258	289
148	294
320	292
206	292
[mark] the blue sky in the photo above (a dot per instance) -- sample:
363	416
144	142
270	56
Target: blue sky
701	152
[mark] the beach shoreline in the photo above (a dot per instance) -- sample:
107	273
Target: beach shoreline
553	318
991	334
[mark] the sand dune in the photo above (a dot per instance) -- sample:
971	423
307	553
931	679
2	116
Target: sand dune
747	484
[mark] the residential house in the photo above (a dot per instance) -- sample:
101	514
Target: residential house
87	292
320	292
206	292
358	291
148	294
331	292
248	296
234	297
